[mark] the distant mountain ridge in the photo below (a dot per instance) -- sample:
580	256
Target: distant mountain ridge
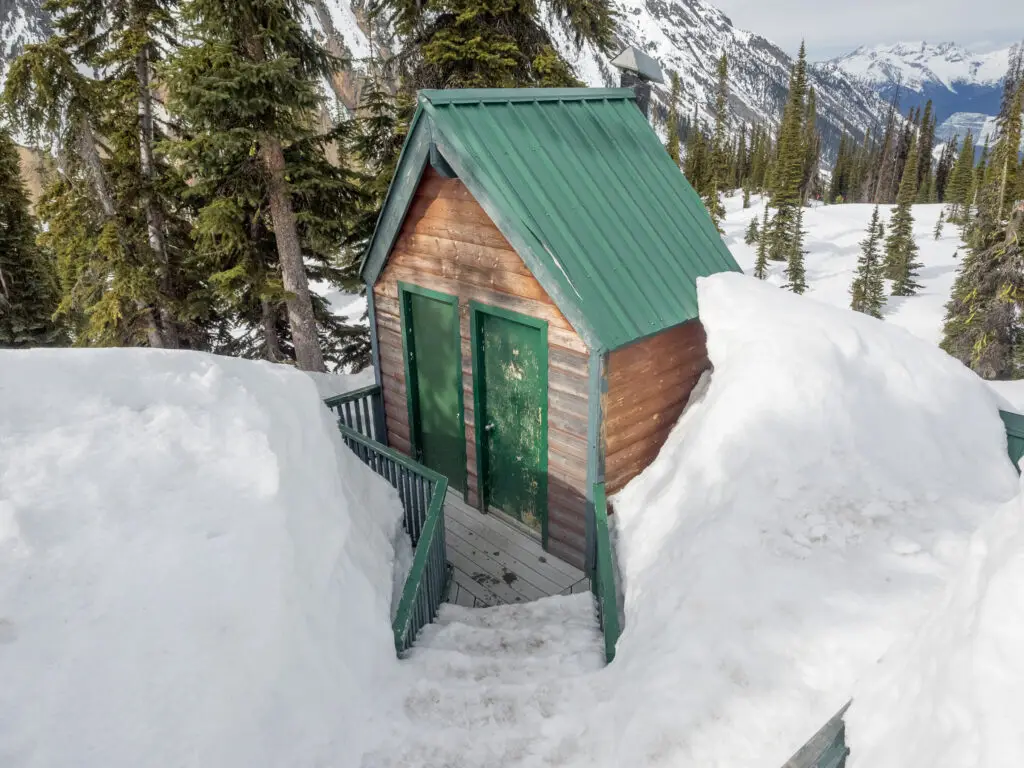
955	79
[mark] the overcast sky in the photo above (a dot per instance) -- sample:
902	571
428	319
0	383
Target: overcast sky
833	27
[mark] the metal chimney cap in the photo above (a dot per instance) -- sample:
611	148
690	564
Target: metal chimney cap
643	66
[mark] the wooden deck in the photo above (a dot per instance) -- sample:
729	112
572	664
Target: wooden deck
495	563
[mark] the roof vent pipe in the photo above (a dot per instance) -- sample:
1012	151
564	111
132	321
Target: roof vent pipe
638	72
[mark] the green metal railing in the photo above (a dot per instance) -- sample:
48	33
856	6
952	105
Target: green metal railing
361	410
422	493
603	577
827	748
1014	423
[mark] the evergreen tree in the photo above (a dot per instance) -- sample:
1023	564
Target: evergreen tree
28	283
796	275
673	119
938	224
752	234
492	43
900	249
868	289
785	188
959	189
838	188
128	287
811	142
746	197
925	145
246	90
1005	159
761	264
983	326
719	154
944	168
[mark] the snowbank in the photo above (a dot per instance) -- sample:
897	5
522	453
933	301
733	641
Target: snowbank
812	500
193	569
950	696
331	384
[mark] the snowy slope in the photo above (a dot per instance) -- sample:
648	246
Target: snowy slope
833	242
185	548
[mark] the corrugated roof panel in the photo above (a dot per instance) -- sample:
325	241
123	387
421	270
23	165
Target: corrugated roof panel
584	182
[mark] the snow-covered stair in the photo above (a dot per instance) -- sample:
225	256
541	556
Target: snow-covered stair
487	679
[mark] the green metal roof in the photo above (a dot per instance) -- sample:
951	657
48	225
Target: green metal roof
582	188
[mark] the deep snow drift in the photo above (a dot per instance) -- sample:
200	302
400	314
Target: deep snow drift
193	569
804	513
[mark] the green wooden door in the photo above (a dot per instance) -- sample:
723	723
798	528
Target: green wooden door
434	373
510	382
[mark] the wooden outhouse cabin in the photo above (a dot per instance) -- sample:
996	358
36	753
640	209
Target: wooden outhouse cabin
532	299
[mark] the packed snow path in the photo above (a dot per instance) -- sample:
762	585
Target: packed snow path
488	679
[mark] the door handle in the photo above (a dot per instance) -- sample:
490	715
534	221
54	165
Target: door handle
488	428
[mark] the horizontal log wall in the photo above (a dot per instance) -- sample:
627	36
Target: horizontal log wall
449	244
649	384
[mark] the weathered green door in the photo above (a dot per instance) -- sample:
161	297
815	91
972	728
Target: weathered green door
510	382
434	373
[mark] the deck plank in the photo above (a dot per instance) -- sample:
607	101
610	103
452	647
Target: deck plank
496	562
483	577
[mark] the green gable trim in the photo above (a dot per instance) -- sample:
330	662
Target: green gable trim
498	95
582	188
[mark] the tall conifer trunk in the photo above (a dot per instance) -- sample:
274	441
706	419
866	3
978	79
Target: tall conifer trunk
90	157
289	250
154	216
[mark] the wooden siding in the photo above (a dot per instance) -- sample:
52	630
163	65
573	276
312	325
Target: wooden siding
649	384
448	243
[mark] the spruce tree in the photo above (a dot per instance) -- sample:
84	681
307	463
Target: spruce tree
28	282
673	119
761	264
796	274
944	168
785	194
925	145
937	232
246	87
128	286
959	188
811	141
492	43
983	327
752	234
900	248
1005	159
868	290
719	153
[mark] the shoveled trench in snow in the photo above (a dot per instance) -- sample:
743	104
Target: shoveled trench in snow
194	570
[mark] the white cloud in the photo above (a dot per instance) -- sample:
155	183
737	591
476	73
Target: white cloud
831	27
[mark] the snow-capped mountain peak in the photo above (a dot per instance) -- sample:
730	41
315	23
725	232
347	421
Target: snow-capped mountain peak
916	64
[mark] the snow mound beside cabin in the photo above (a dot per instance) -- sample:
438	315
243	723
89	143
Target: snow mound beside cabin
194	570
949	696
818	493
